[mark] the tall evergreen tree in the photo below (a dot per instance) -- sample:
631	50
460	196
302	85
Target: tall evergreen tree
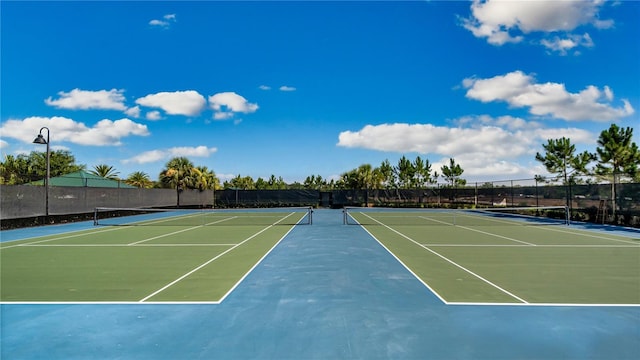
452	173
560	159
617	156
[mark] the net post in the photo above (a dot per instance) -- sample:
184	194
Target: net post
95	216
567	215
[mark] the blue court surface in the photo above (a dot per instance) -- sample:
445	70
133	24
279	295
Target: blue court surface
326	291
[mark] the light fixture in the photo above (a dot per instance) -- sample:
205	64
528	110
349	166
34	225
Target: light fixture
41	140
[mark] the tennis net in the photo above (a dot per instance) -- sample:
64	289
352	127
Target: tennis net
202	217
548	215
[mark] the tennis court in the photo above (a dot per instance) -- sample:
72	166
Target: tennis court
321	290
507	256
145	256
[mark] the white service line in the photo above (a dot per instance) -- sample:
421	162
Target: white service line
178	231
210	261
59	238
495	235
451	262
482	232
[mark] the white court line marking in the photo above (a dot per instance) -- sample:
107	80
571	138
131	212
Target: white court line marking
476	230
404	265
211	260
123	245
579	232
451	261
257	263
587	234
60	238
218	302
496	235
83	233
538	246
179	231
482	232
541	304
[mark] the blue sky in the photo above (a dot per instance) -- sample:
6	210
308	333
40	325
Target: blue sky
301	88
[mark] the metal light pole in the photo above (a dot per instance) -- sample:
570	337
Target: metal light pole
41	140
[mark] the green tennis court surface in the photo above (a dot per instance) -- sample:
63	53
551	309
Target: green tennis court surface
164	256
201	256
498	258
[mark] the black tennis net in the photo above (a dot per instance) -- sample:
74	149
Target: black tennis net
202	217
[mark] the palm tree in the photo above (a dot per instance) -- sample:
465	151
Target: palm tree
139	179
105	171
205	179
177	174
365	177
240	183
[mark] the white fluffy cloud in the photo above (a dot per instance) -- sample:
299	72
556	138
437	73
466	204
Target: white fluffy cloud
134	112
483	145
431	139
166	21
3	144
548	99
104	133
153	115
570	42
287	88
166	154
503	22
78	99
226	104
188	103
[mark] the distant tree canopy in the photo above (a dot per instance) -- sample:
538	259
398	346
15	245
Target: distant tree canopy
139	179
452	173
560	159
617	158
617	155
21	169
180	173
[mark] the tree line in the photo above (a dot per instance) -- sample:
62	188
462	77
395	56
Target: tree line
616	158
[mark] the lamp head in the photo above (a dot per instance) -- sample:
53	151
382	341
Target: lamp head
40	140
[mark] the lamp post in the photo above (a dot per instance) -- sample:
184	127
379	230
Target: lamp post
41	140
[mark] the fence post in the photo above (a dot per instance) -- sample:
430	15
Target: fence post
476	196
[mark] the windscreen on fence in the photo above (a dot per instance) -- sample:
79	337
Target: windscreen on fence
587	201
266	198
22	201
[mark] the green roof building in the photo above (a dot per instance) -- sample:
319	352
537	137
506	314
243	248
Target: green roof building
84	179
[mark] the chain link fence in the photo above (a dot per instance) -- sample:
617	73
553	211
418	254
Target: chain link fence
589	202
